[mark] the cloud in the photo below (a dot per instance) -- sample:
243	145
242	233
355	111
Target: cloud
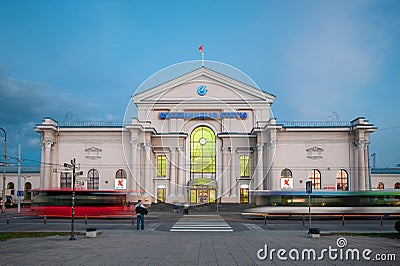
27	101
23	105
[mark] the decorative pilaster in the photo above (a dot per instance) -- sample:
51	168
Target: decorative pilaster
361	164
172	173
147	164
232	179
224	187
46	180
181	172
272	183
134	166
258	181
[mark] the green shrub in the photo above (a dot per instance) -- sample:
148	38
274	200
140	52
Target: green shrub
397	226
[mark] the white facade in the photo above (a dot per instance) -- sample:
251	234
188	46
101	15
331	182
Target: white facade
205	136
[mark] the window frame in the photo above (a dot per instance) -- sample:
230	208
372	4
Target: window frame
313	178
202	169
340	178
163	165
94	180
65	179
245	171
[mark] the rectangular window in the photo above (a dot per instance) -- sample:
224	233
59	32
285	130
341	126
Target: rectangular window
65	180
161	194
162	166
244	166
244	195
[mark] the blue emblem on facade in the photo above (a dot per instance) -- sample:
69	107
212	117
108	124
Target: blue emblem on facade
201	90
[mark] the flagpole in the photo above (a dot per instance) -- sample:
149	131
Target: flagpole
201	49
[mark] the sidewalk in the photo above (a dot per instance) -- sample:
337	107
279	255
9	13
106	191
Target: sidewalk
171	248
246	245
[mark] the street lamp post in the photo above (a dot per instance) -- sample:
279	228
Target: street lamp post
3	207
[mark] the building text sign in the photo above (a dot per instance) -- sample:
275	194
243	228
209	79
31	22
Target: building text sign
120	183
202	115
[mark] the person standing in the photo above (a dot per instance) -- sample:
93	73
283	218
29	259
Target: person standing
140	210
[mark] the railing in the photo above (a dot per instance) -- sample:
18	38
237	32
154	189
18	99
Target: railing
287	124
311	124
92	124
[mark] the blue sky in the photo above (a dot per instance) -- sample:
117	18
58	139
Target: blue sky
88	57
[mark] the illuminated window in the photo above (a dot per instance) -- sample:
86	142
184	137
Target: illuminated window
202	153
10	185
244	166
161	165
315	177
27	191
161	192
93	179
65	180
342	180
244	194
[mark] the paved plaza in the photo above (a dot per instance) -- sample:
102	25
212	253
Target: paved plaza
249	242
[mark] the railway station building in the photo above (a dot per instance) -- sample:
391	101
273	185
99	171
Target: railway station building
202	136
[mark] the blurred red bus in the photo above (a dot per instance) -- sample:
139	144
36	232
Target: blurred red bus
88	203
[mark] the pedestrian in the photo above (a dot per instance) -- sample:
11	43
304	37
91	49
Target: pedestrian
140	210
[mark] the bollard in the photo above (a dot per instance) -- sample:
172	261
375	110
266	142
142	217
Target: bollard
45	220
8	219
304	222
381	220
343	220
265	218
85	219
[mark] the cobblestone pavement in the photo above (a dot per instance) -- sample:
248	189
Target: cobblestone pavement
250	243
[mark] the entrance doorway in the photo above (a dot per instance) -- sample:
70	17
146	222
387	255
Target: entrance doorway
202	195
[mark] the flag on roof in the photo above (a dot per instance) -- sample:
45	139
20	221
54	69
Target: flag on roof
201	48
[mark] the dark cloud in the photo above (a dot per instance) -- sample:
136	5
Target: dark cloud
27	101
23	105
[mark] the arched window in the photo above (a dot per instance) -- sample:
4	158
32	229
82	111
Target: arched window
380	185
10	185
286	179
315	177
93	179
120	179
120	174
27	191
286	173
342	180
202	153
397	185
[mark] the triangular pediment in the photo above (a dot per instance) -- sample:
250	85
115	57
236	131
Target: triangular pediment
203	85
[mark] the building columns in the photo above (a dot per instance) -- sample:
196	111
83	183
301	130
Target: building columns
181	174
172	173
46	178
361	164
134	167
147	176
225	183
258	181
272	183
